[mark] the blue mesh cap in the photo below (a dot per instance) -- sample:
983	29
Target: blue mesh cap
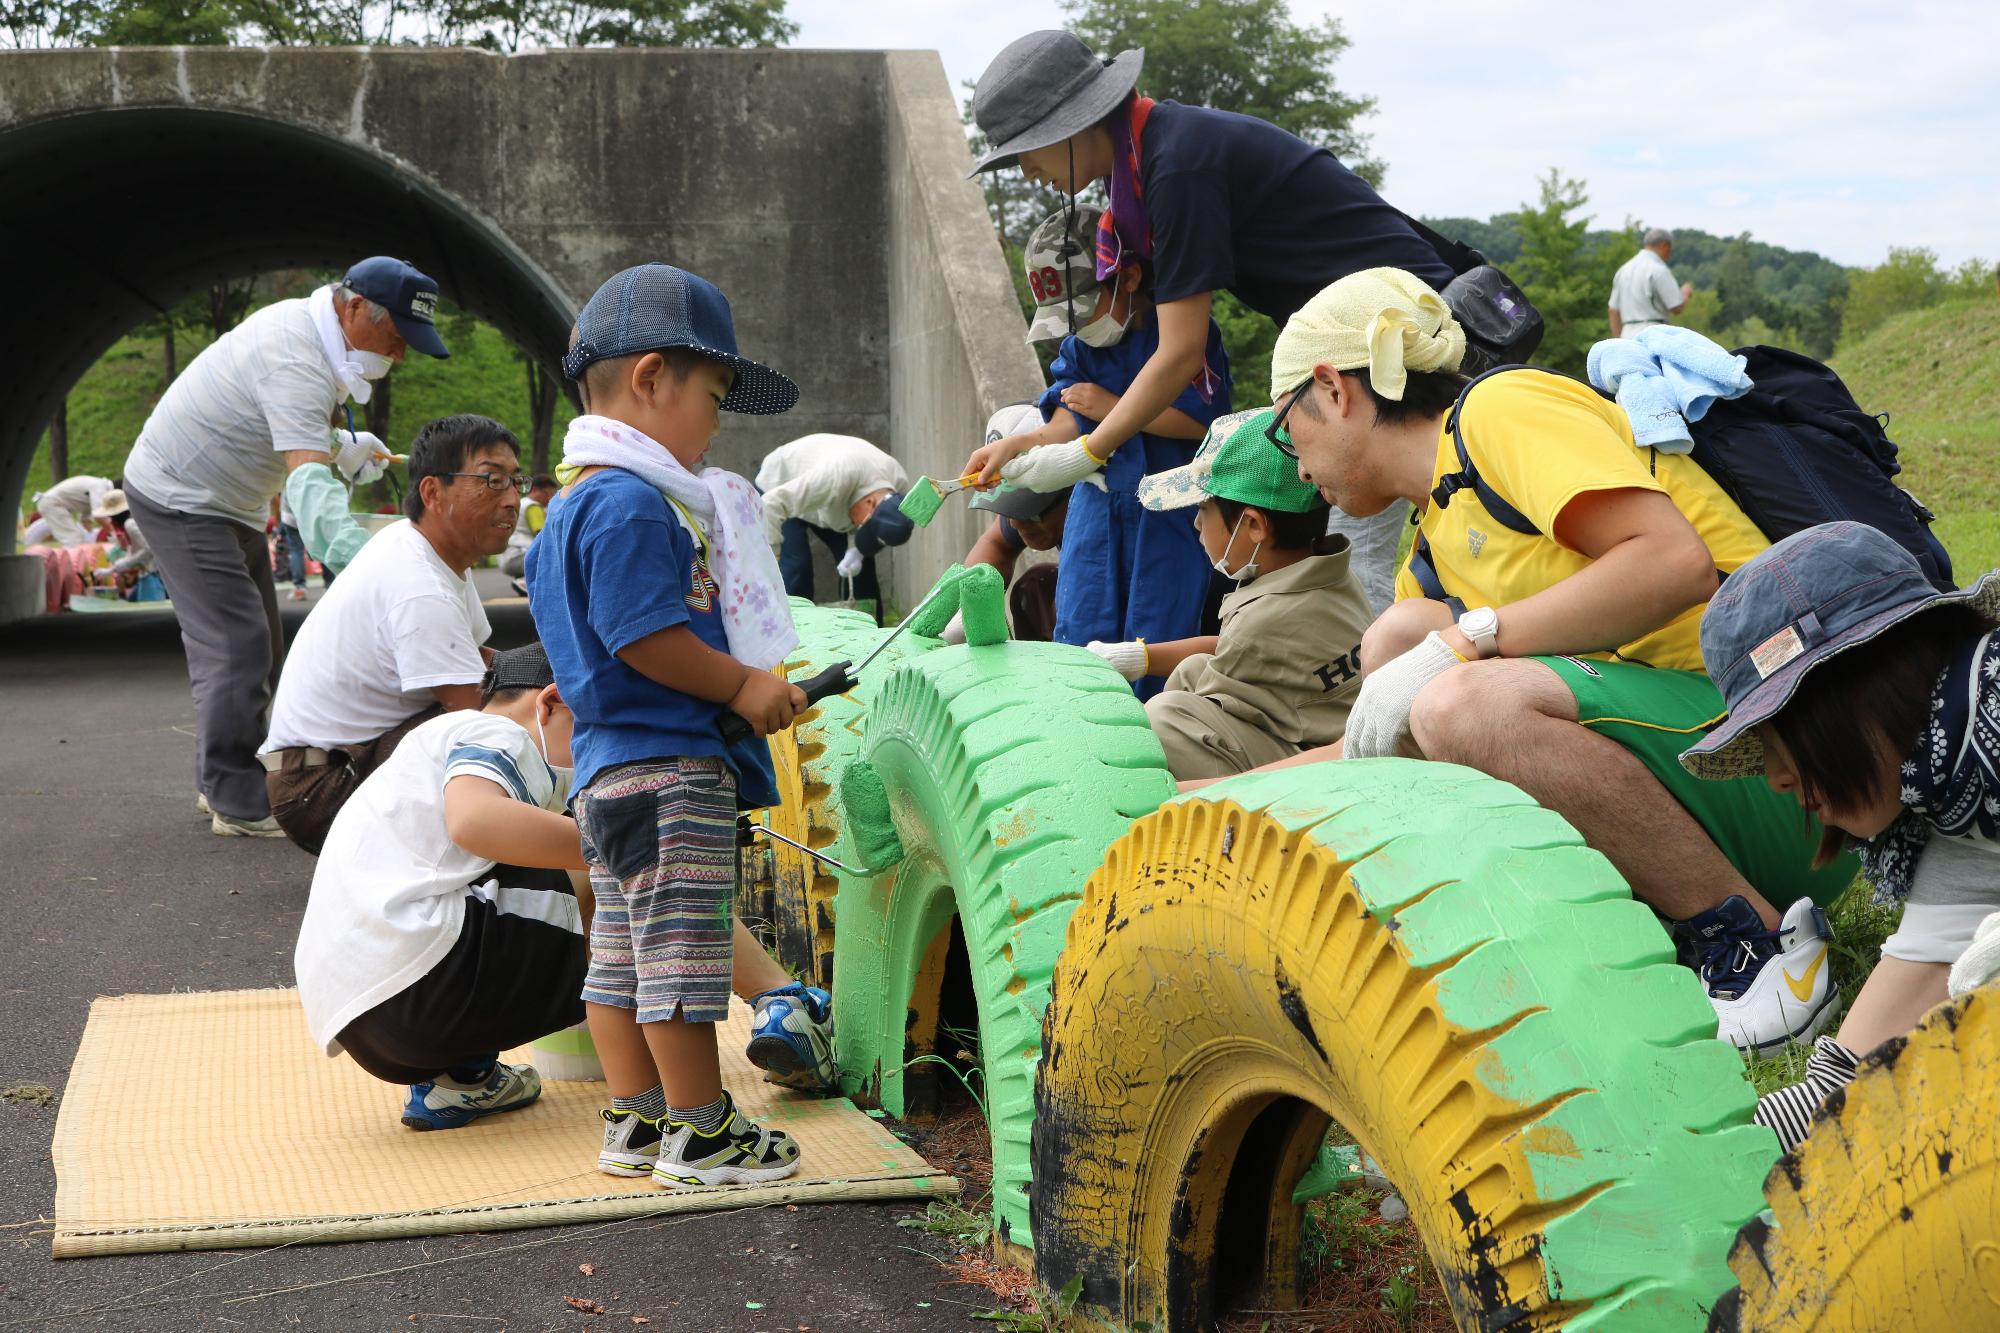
653	307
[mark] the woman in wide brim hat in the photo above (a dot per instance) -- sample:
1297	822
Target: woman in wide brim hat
1853	682
1212	200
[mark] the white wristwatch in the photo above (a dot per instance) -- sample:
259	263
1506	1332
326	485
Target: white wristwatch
1482	626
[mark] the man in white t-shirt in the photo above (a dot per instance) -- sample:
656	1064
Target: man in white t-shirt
399	637
1643	294
443	926
253	415
841	490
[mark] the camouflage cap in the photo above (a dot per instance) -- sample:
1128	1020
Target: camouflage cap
1061	261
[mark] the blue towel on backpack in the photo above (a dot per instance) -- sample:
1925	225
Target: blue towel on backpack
1665	378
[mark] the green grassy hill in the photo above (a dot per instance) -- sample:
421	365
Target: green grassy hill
1936	372
110	403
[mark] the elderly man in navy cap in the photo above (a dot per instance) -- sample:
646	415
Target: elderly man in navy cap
253	415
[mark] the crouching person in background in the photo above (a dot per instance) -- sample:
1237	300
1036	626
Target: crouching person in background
443	927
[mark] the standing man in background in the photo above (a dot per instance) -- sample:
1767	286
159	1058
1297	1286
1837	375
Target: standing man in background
250	417
1643	294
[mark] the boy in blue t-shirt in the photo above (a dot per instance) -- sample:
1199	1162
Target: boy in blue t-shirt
659	606
1127	573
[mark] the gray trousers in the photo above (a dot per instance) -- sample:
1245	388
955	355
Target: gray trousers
218	574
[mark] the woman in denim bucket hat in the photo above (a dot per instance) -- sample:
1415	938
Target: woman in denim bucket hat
1853	682
1210	201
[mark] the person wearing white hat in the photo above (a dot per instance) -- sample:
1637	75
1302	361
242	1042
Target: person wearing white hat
138	556
67	509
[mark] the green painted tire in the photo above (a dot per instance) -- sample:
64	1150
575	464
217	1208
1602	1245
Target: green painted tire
1425	955
785	896
1008	770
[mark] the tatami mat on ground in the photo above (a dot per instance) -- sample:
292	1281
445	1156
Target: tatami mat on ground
211	1121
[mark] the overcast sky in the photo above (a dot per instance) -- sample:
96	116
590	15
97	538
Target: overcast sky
1835	126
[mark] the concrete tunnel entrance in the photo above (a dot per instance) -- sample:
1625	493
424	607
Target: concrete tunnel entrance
112	216
825	191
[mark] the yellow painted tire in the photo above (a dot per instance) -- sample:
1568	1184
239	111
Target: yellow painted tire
786	896
1888	1215
1426	956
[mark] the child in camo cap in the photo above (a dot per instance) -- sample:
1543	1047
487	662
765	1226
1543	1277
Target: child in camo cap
1127	572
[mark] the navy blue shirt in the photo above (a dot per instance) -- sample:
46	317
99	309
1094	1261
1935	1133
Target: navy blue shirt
613	565
1113	369
1238	204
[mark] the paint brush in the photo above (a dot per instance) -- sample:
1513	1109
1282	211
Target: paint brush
922	500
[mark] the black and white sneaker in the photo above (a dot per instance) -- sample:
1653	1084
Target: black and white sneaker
631	1144
739	1153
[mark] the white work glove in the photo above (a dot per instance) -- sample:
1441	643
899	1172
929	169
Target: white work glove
1380	719
1980	962
1127	659
361	457
954	629
850	562
1054	467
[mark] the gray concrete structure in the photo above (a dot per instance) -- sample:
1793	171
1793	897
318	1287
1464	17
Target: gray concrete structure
822	190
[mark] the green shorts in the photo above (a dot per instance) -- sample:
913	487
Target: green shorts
1655	714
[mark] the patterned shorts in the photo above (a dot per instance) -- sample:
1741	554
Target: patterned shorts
660	837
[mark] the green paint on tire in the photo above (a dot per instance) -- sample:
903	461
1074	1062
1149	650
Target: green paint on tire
786	896
1008	770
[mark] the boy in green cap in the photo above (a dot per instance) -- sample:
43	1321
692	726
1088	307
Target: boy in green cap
1285	668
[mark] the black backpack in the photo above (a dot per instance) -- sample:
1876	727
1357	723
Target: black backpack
1502	326
1793	452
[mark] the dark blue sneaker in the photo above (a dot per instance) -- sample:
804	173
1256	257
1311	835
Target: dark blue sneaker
792	1038
439	1106
1769	987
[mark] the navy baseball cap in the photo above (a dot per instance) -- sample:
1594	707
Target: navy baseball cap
887	526
653	307
1818	592
409	295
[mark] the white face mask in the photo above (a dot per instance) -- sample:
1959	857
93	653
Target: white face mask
562	775
1248	569
1105	331
373	364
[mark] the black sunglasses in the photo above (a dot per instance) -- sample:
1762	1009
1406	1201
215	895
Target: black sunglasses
1276	432
520	481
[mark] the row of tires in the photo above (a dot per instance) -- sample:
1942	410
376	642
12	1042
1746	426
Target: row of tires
1175	997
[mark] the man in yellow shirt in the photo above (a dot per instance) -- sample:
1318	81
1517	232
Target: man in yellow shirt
1547	626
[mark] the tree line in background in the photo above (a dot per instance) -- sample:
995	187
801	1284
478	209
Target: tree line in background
499	25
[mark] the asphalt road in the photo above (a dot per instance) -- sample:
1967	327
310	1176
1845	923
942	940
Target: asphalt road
111	883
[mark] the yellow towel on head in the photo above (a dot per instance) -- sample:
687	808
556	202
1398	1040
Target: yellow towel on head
1383	320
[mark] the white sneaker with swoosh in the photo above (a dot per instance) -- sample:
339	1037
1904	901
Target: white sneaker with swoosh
1770	988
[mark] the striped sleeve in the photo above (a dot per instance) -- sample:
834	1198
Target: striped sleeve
512	763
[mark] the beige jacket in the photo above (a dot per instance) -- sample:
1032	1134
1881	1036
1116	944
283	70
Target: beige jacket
1288	657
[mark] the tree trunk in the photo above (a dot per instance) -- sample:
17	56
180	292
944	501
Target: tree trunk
377	411
173	362
59	443
541	415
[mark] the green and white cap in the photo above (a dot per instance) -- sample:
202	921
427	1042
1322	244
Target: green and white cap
1062	271
1237	462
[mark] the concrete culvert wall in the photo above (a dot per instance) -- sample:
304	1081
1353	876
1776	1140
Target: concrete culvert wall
821	190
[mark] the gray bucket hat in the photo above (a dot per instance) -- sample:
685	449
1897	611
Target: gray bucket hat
1817	593
1042	89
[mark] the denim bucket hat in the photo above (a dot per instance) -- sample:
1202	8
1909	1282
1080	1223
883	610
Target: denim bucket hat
1817	593
654	307
1042	89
